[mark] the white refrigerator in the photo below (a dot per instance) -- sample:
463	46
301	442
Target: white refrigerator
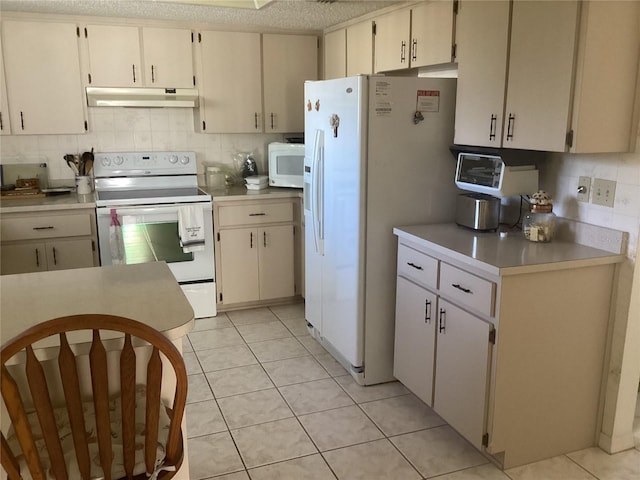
376	156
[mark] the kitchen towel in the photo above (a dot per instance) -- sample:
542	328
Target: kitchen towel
191	228
116	244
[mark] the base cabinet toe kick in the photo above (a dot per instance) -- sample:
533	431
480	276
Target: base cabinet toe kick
514	361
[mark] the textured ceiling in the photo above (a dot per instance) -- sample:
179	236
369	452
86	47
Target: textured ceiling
280	14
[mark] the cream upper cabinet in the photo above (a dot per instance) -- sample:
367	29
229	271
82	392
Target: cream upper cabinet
482	33
128	56
360	48
335	54
416	37
538	101
288	61
5	125
114	56
560	53
432	33
392	41
168	57
231	96
42	68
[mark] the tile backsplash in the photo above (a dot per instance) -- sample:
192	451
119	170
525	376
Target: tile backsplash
560	175
135	129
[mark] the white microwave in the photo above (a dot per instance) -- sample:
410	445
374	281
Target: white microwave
286	165
488	174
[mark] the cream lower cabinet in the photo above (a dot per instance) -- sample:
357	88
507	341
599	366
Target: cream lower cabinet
441	352
255	257
514	358
40	242
415	340
462	370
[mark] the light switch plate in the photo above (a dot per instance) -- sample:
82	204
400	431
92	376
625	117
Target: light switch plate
604	192
584	187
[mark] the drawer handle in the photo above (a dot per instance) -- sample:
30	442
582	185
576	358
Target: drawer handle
427	311
442	319
465	290
257	214
44	228
417	267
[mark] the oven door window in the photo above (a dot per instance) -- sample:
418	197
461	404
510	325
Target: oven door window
149	242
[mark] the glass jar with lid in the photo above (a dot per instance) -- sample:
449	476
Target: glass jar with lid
539	224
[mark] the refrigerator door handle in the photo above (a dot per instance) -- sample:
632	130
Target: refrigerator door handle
317	179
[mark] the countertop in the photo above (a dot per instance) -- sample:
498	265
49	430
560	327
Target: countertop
67	201
509	255
146	292
240	192
72	201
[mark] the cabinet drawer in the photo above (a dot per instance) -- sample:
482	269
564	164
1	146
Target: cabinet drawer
466	289
255	214
417	266
53	226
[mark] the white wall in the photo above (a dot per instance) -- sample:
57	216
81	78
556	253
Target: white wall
134	129
559	177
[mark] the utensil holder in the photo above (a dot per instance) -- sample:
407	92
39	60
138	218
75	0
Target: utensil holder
84	185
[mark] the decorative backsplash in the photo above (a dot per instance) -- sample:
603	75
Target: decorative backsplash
135	129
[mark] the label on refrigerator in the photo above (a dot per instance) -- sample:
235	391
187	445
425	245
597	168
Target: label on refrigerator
428	101
383	105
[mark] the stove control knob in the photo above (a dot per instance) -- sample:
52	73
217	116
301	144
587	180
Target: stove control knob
106	161
118	160
173	159
184	160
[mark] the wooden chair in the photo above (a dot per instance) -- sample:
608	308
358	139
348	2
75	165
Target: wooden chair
25	426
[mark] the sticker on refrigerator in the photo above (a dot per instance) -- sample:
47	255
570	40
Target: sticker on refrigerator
428	101
383	105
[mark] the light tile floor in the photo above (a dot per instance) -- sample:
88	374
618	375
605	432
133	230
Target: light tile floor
267	402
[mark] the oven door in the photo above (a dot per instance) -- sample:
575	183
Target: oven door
150	233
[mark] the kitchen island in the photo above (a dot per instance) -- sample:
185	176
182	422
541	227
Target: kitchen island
146	292
505	338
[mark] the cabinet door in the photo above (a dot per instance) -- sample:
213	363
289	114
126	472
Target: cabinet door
539	87
335	54
392	41
239	265
276	262
114	56
64	254
288	61
5	126
416	313
23	258
168	57
462	367
360	49
42	68
431	33
231	84
482	36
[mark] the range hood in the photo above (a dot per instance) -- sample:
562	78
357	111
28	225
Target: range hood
142	97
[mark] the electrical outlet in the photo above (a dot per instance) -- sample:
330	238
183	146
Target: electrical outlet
584	187
604	192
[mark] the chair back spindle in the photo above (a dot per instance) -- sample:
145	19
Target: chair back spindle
38	442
